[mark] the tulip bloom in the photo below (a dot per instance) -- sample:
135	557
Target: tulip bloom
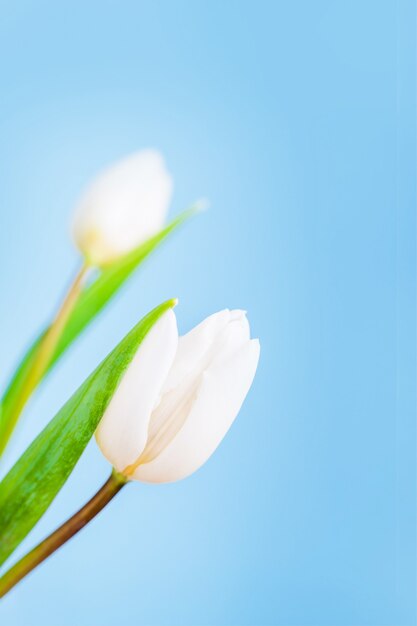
125	205
179	397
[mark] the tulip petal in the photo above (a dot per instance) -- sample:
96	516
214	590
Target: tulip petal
223	388
124	205
226	327
123	430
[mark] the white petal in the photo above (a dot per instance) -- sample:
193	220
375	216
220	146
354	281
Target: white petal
203	341
223	388
123	430
125	205
215	339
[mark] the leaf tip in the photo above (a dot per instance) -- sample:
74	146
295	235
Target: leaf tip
201	205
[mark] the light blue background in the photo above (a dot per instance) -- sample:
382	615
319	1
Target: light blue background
297	121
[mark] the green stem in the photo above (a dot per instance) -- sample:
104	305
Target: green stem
41	359
62	534
53	334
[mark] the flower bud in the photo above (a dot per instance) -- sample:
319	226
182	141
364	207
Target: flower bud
123	206
179	397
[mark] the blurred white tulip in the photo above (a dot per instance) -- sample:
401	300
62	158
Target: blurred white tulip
179	397
123	206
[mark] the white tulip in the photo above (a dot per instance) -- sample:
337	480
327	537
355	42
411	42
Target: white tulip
125	205
179	397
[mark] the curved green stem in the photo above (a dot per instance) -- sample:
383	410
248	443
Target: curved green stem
62	534
42	357
54	332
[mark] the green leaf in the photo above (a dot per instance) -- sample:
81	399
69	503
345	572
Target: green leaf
92	300
95	296
31	485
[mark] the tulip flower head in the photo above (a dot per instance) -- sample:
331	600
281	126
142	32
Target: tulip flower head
125	205
179	397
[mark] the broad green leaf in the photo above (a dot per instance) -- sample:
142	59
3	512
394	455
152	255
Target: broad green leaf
92	300
34	481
